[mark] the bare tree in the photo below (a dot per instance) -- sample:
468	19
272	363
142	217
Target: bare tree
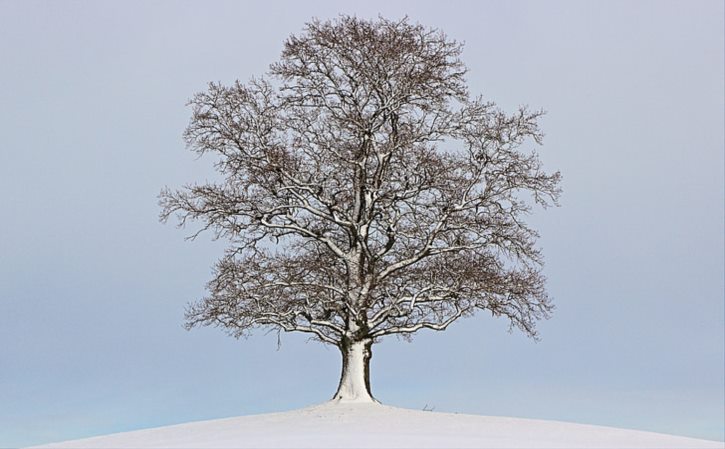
365	194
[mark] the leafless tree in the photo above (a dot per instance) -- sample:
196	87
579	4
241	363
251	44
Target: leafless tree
365	194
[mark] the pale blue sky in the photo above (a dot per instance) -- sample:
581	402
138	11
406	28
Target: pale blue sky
92	287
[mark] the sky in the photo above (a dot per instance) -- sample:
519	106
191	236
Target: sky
93	287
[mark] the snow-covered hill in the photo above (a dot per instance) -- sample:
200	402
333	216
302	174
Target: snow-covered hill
354	425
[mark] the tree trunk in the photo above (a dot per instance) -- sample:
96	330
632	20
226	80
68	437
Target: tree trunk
355	378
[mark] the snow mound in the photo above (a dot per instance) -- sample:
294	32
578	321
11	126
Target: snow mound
368	425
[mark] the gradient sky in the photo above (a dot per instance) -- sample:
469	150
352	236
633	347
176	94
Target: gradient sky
92	287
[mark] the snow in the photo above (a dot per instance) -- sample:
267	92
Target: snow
366	425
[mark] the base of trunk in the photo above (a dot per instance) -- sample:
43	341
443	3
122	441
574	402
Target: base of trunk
355	377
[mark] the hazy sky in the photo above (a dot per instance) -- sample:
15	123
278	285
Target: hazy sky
92	287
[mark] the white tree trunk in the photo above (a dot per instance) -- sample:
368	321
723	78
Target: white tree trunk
355	378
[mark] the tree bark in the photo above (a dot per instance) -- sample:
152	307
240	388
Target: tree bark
355	377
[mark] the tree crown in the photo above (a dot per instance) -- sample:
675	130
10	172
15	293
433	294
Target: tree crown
365	192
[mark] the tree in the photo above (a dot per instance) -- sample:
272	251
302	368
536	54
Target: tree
365	194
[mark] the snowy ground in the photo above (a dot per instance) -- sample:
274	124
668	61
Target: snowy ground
348	425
